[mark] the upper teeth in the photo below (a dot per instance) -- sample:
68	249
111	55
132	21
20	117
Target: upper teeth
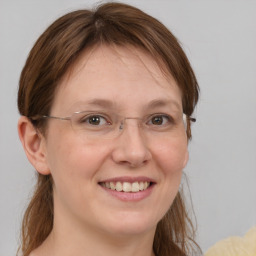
126	186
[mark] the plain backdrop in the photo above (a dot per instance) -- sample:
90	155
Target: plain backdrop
219	38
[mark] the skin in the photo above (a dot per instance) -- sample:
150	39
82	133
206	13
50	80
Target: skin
87	219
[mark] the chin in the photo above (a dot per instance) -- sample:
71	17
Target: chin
132	224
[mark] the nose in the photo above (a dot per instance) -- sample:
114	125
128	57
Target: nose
131	148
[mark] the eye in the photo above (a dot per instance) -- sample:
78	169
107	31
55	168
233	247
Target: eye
159	120
96	120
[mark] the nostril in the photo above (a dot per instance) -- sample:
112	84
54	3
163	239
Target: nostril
135	163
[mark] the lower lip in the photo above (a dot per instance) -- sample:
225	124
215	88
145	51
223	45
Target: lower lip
130	196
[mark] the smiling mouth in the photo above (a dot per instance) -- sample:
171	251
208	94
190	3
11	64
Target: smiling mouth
131	187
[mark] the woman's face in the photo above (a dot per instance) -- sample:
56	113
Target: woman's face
127	82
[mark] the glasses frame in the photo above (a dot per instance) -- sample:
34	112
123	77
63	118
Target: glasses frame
122	121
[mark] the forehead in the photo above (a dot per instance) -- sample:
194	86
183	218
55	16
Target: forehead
116	57
118	74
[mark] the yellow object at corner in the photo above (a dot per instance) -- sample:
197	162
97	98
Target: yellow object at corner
235	246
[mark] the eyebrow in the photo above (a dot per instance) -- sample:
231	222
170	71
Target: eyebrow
161	102
93	102
101	103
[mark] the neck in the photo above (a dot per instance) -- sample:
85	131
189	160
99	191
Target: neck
66	240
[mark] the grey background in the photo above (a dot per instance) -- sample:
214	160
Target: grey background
219	38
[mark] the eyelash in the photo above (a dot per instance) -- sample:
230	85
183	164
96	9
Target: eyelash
86	119
166	119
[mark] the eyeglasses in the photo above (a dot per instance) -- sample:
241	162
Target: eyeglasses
95	125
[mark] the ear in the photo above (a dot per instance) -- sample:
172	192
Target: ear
33	143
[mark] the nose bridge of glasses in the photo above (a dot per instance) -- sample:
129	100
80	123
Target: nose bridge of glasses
138	122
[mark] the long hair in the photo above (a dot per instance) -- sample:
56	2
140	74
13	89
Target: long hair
54	53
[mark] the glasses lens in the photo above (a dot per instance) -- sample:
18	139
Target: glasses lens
101	126
95	125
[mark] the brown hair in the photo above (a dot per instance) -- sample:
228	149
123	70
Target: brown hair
53	54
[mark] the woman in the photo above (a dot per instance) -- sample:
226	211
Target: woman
106	99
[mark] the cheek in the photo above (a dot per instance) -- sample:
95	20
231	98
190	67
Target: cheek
171	159
172	156
71	161
74	166
69	153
